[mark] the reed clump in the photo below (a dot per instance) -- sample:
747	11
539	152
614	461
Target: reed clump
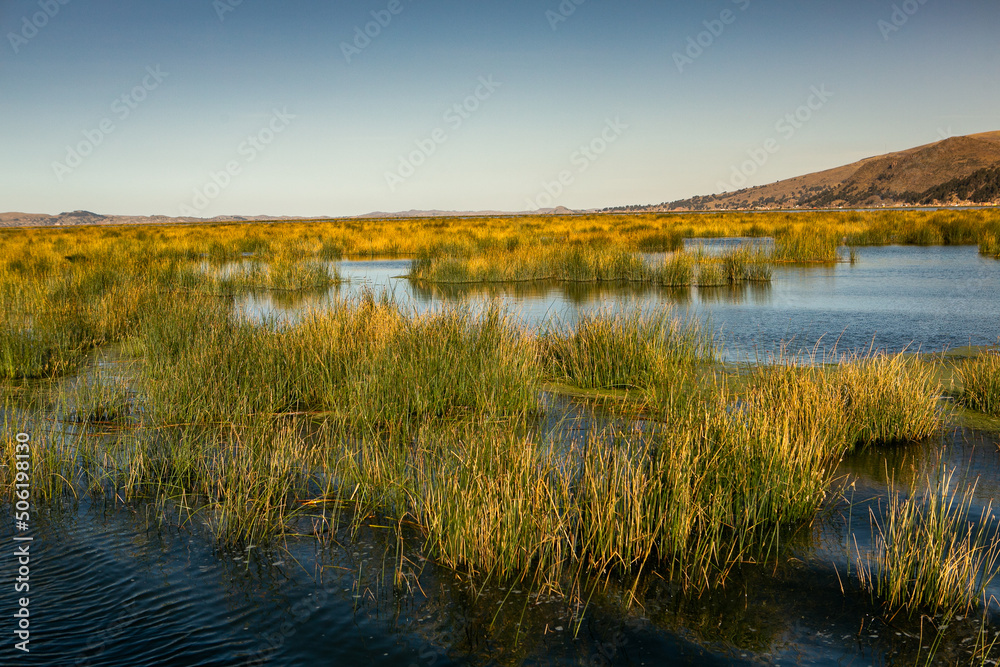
945	227
989	245
718	484
889	398
930	554
365	361
630	350
380	368
590	264
662	241
801	246
695	498
99	399
859	402
492	501
981	383
745	264
676	270
283	274
249	484
289	275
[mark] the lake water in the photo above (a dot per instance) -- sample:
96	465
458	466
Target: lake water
112	586
893	298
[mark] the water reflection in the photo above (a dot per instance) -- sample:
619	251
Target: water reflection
567	294
894	298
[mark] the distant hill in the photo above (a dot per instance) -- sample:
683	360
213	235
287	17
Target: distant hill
559	210
88	218
956	171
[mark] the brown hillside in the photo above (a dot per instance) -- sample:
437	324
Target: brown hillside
893	178
919	169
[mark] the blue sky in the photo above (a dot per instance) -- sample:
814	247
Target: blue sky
217	107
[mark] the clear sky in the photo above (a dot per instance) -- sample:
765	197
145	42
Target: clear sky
250	107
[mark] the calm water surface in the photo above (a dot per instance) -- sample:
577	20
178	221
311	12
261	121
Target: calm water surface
111	585
893	298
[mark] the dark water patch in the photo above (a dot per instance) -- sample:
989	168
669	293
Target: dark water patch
113	585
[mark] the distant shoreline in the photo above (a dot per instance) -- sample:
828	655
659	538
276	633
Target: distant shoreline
43	221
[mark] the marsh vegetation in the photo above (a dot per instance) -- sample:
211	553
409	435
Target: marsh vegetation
362	413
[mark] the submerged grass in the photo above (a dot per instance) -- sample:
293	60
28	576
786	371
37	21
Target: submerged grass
930	555
94	399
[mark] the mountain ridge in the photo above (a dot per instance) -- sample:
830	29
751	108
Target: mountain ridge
901	178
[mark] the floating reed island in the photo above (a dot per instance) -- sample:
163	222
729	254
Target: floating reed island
361	413
583	264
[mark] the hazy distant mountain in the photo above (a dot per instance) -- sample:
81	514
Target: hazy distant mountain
958	170
88	218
